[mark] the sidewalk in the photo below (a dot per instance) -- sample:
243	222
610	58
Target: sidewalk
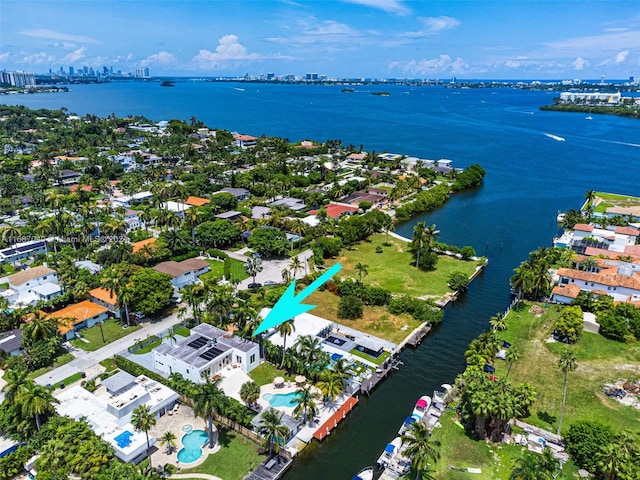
85	360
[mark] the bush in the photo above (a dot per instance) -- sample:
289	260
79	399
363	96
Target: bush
427	261
458	282
185	256
585	439
569	326
379	249
467	252
327	246
217	253
350	307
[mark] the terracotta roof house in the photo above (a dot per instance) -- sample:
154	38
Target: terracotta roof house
78	316
335	210
103	297
622	286
183	273
137	246
197	201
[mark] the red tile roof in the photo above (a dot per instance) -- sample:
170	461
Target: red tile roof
570	291
634	232
582	227
616	280
334	210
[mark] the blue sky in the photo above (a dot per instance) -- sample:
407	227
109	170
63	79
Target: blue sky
339	38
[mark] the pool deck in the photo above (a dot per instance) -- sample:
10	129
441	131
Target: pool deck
174	423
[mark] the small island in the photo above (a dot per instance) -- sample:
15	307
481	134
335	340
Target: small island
167	83
381	94
595	103
347	90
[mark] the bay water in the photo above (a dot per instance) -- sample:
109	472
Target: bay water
530	177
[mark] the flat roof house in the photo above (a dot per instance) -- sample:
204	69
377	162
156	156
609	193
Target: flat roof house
21	251
183	273
206	352
108	410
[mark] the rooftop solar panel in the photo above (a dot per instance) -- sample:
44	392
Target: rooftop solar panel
210	354
198	342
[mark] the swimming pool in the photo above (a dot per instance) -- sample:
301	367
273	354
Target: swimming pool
281	399
192	443
124	439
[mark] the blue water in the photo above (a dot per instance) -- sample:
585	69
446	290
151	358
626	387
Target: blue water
281	399
124	439
529	178
192	443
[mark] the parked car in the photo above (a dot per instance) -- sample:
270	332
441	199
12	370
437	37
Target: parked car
270	282
255	285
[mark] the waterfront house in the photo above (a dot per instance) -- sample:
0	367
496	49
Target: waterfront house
622	284
244	141
205	353
632	213
78	316
109	410
183	273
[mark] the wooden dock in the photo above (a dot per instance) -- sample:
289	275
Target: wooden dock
416	337
271	469
378	375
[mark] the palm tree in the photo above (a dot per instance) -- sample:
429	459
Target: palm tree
295	265
305	403
191	220
589	264
528	467
16	379
10	234
498	322
142	420
35	400
40	327
208	401
253	266
274	431
361	269
513	355
286	275
421	448
168	439
193	294
567	363
249	392
331	385
220	303
388	226
284	329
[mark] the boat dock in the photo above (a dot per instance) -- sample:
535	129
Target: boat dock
416	337
380	373
271	469
325	429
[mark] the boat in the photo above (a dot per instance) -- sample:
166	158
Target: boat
555	137
560	217
422	405
588	117
365	474
389	452
407	423
442	393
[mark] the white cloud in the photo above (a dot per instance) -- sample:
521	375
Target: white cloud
439	65
609	42
39	58
512	64
51	34
326	32
4	56
433	26
229	49
163	58
621	56
76	55
579	63
391	6
65	45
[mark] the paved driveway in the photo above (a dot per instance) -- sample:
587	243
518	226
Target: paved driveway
272	270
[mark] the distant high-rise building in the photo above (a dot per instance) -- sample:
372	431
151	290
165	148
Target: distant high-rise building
602	80
632	80
270	76
71	71
18	79
105	71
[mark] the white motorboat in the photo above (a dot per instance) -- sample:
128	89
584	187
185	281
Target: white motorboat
422	405
442	393
365	474
557	138
389	452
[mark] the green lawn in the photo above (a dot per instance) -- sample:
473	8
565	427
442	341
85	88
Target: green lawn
394	268
459	450
217	270
233	460
378	361
614	200
112	329
183	332
599	361
148	348
69	380
109	364
264	374
375	321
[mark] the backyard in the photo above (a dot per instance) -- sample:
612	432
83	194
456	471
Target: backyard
264	374
394	268
614	200
112	329
216	271
599	360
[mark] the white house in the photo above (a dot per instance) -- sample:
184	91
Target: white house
621	284
206	352
108	410
183	273
33	284
20	251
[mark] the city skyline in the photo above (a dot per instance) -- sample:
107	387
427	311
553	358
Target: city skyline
338	38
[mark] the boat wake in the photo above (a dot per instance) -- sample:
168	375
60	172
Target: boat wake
555	137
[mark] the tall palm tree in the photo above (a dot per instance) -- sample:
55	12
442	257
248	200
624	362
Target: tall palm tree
191	220
193	294
220	303
498	322
16	379
305	403
40	327
250	392
284	329
10	234
142	420
274	431
513	355
421	448
295	265
331	384
208	401
35	400
361	269
567	363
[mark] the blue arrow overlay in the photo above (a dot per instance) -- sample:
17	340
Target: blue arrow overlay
289	305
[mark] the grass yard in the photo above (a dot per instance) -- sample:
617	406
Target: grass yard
233	460
375	321
112	329
461	451
378	361
394	268
614	200
69	380
183	332
264	374
217	270
109	364
599	361
58	362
